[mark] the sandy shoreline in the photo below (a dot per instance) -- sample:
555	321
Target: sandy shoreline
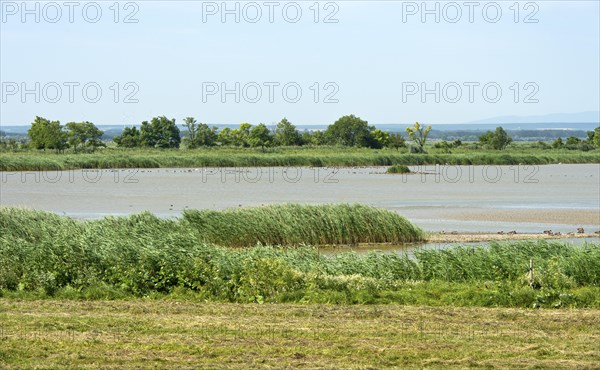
432	238
548	216
485	237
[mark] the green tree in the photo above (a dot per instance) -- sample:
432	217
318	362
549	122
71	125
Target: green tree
199	134
260	136
286	134
192	129
95	143
38	133
58	138
76	133
225	136
396	141
590	137
558	143
94	136
45	134
596	139
84	134
381	138
418	134
316	137
206	136
498	139
573	141
593	138
160	132
350	131
130	138
239	136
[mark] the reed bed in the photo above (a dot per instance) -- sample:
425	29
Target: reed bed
43	254
282	157
294	224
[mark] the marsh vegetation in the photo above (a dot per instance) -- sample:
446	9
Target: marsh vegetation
349	141
284	157
42	254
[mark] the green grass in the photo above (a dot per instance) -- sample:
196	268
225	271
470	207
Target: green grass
285	156
42	254
185	334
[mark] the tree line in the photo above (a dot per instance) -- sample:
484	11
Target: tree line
162	132
81	136
349	130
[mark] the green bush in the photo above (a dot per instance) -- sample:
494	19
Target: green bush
398	169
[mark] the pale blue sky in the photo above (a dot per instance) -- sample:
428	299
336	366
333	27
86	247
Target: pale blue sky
368	54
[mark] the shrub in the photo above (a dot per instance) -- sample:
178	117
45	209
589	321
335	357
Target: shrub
398	169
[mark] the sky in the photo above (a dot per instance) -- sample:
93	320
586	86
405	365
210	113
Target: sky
230	62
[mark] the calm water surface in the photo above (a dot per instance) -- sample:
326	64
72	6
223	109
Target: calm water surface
410	249
436	198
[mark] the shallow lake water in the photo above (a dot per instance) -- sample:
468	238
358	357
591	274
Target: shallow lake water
527	199
410	249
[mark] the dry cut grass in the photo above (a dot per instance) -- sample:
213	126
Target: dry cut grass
170	334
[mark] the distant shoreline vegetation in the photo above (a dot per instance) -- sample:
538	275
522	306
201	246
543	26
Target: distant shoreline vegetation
318	157
349	141
282	157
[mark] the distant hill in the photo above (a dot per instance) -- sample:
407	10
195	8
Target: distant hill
562	126
554	118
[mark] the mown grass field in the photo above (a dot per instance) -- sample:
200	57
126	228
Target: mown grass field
285	156
189	335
